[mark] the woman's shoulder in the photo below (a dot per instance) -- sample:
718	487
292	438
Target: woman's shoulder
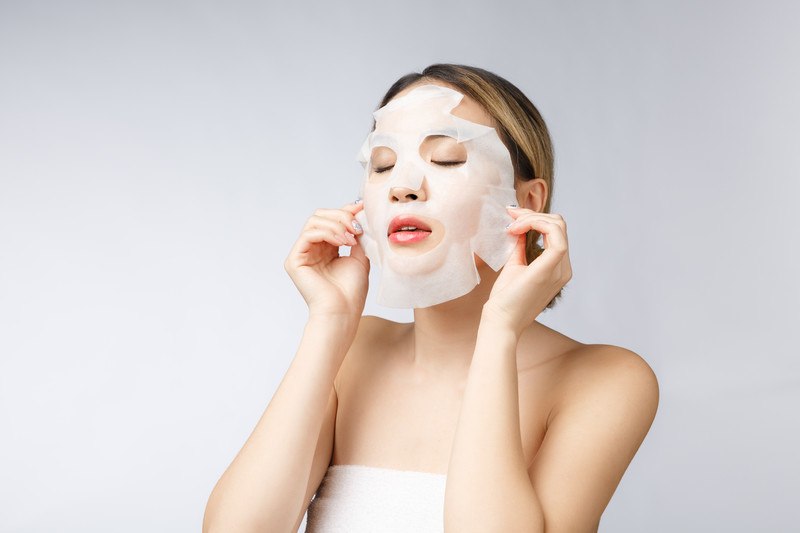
581	373
605	374
600	360
577	357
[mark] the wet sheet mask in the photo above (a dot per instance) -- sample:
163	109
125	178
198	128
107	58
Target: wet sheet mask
464	205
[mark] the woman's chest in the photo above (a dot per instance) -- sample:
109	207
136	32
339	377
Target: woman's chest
395	419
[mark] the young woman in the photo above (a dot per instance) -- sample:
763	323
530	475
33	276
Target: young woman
473	417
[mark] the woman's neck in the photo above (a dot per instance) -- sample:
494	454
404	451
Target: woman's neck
443	336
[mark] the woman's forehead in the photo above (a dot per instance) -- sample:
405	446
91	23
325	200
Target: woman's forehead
467	108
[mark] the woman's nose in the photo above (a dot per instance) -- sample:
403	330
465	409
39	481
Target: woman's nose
404	194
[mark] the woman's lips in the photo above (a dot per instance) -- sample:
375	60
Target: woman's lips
407	221
406	229
408	237
411	235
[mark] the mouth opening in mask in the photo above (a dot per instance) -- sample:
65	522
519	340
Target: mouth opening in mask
414	232
407	229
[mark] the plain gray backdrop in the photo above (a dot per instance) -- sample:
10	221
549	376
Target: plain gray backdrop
158	160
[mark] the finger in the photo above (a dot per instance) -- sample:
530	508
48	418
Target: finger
354	207
357	252
337	226
334	225
345	216
518	256
518	212
518	209
524	224
523	220
555	241
311	237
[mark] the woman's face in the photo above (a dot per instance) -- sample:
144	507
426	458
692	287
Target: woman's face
437	180
442	151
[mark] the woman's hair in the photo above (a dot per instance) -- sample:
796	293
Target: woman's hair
520	126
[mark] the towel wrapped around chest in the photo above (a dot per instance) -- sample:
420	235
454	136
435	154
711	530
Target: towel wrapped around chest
361	499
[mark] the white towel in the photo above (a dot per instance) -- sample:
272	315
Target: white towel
368	499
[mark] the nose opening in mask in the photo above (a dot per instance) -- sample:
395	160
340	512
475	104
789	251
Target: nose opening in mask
405	194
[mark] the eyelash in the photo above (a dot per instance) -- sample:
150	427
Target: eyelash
443	163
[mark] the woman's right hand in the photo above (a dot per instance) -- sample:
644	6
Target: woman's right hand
330	284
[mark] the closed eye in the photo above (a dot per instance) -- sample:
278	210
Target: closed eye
383	169
448	163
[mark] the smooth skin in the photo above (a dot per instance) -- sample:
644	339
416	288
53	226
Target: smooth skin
533	429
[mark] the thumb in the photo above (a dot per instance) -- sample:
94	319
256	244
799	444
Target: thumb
357	252
518	256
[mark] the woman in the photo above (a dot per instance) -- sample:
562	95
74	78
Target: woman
474	417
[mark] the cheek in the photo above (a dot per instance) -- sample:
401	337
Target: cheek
459	204
374	208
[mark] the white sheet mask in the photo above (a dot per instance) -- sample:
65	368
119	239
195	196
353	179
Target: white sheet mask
468	201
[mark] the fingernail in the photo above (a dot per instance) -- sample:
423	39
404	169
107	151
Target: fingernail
350	238
510	224
358	201
357	226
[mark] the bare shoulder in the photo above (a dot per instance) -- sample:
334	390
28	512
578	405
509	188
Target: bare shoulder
607	374
607	400
605	361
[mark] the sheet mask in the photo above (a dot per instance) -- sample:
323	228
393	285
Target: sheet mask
469	200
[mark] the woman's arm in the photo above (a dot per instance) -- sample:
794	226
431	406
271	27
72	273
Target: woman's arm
488	488
264	488
590	440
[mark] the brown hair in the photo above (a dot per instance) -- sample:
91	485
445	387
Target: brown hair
520	126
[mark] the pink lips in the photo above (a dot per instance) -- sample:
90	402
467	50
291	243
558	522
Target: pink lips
415	230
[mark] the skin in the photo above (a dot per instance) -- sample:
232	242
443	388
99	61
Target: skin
534	429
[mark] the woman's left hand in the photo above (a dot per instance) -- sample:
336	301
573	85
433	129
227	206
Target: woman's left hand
522	291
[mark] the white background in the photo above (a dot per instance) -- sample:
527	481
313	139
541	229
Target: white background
158	159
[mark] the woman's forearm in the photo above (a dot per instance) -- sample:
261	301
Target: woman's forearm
488	488
264	487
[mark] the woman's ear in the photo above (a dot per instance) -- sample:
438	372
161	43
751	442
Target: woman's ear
532	194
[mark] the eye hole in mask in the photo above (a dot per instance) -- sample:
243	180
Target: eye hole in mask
382	161
443	151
